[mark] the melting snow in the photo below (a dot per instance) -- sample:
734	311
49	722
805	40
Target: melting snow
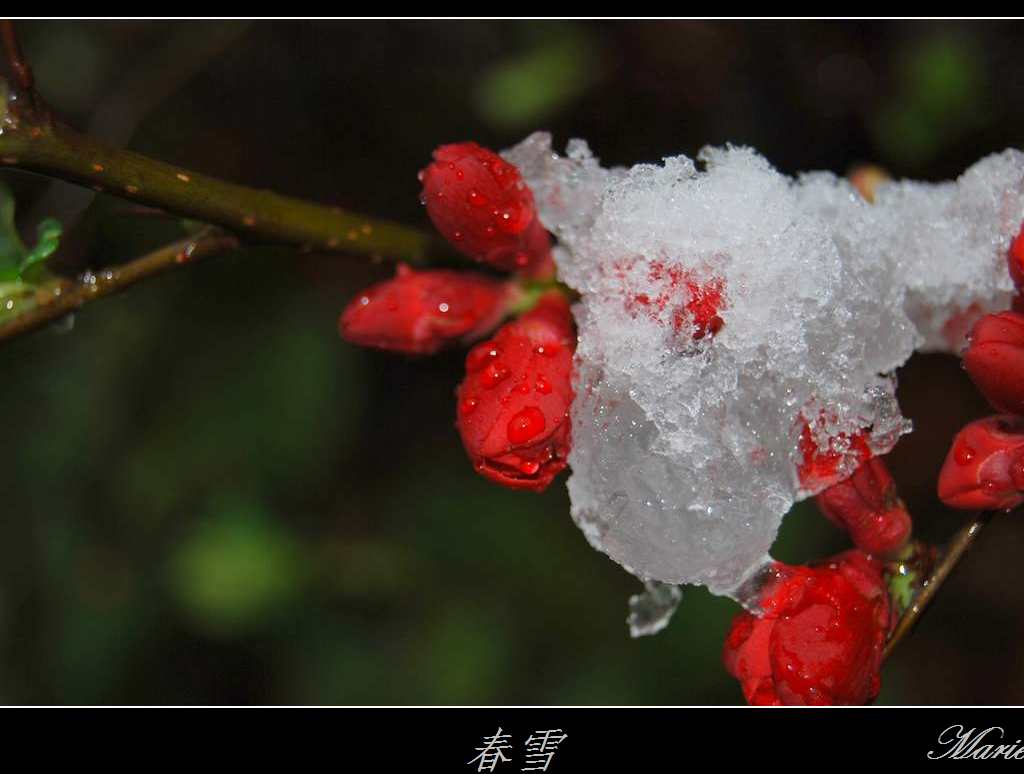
738	332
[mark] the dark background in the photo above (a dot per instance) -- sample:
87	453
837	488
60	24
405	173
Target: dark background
208	497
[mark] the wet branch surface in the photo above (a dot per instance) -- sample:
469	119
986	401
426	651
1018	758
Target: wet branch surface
256	216
61	297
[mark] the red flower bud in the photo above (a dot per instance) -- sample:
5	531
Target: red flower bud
985	466
418	312
513	407
820	461
1015	258
868	507
480	203
995	360
819	638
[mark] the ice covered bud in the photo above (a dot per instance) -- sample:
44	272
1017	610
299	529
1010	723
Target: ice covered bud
985	465
480	203
513	406
995	360
868	507
823	459
1015	258
819	638
418	312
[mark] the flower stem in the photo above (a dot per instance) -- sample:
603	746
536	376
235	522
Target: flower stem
954	552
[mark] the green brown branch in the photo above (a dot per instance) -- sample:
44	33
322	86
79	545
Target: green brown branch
31	141
256	216
950	558
54	300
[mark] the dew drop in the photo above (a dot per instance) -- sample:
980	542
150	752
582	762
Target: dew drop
963	453
480	355
526	424
493	375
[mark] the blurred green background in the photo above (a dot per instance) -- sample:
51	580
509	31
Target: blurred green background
208	497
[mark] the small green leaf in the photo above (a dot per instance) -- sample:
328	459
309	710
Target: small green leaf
15	258
48	239
902	588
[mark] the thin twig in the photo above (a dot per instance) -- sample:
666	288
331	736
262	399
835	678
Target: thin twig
954	552
65	296
20	68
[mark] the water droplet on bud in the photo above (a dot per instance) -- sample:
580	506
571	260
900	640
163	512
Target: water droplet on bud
525	425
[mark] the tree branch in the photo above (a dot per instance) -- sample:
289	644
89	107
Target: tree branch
951	557
255	215
31	140
19	66
61	297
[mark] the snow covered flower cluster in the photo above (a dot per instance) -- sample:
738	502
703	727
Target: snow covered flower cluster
734	345
738	334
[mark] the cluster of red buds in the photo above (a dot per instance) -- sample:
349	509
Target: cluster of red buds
513	406
984	469
820	634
